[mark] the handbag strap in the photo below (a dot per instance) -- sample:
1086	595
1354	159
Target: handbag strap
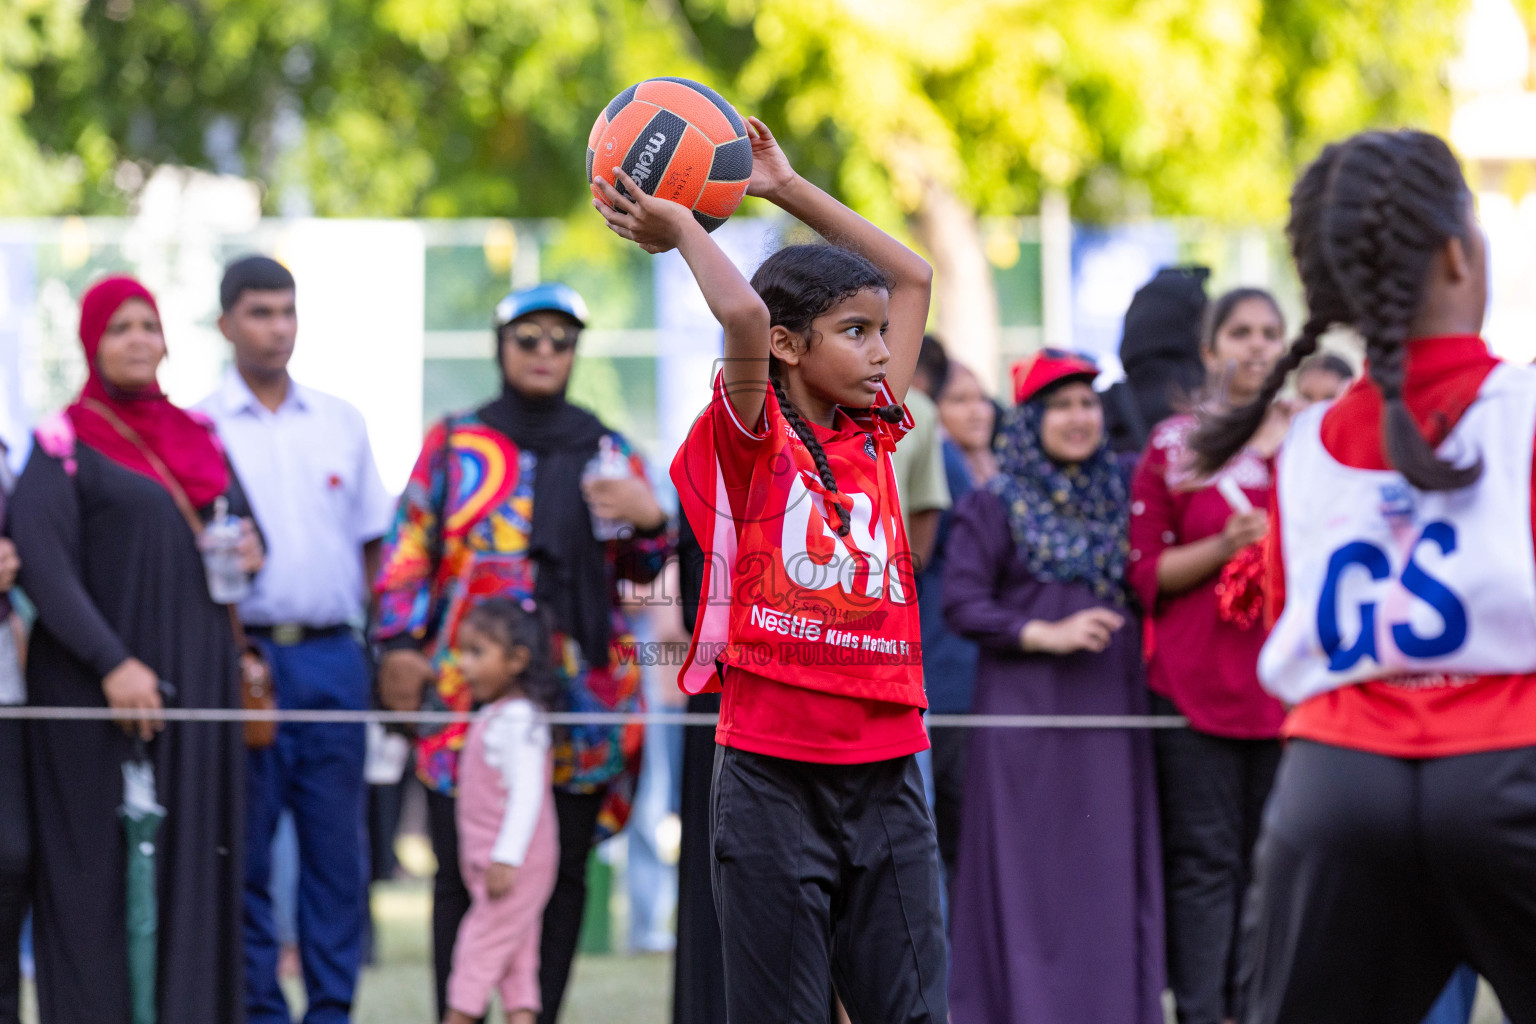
167	478
171	484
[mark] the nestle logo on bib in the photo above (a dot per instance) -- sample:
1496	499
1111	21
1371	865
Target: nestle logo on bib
869	445
784	624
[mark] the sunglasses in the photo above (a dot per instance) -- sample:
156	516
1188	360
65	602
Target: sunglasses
561	339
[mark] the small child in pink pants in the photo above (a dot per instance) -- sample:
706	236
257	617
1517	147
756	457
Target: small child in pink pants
508	841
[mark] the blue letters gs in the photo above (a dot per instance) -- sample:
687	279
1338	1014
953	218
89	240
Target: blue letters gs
1415	580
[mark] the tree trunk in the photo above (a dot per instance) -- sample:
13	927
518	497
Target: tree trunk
968	320
1056	268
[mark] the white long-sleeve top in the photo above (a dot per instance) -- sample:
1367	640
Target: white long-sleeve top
517	747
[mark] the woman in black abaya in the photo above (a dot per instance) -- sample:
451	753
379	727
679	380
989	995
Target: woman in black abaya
125	620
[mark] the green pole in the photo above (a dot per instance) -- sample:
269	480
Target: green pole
596	921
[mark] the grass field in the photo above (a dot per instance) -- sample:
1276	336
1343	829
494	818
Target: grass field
604	990
398	989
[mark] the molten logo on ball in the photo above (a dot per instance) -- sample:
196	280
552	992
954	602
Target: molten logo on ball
679	140
645	163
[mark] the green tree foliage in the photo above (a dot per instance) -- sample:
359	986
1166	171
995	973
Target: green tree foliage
33	180
1181	106
472	107
367	107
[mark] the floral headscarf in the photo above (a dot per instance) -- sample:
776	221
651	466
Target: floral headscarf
1070	521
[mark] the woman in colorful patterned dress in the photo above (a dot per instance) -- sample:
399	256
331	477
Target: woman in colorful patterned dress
496	507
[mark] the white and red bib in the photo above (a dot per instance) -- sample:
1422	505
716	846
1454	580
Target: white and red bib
1385	580
785	597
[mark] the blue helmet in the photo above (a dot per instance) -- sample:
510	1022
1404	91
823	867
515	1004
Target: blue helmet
552	295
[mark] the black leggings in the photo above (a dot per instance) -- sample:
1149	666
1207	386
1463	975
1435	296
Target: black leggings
1375	876
577	814
1211	792
15	865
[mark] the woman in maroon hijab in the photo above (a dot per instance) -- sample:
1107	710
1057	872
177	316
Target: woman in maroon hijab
125	620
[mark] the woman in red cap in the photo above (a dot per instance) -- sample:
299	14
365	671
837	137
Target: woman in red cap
1195	564
125	620
1058	905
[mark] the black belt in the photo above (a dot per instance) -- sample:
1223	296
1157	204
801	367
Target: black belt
291	634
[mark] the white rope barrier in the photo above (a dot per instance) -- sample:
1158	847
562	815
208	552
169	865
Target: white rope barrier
341	717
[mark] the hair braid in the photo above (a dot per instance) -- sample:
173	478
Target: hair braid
1367	217
1390	254
798	284
1220	437
808	436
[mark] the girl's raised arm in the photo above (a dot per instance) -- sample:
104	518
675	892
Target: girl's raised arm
658	225
911	276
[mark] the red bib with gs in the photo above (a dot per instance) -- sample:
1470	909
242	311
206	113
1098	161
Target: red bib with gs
784	595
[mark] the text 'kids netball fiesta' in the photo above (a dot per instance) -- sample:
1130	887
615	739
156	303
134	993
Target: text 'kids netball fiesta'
1400	839
825	862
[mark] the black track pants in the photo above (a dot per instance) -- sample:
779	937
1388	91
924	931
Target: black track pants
827	875
1375	876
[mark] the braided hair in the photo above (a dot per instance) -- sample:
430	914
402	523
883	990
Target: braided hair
798	284
1367	217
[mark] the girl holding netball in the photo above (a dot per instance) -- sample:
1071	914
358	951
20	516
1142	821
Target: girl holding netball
1400	839
825	863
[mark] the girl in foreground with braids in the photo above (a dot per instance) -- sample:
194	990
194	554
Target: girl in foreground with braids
825	861
1401	836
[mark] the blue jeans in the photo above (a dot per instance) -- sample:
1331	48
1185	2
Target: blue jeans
315	771
284	875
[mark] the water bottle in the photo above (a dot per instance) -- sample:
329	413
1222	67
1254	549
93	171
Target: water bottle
608	464
227	581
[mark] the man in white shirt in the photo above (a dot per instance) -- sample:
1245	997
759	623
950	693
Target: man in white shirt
304	459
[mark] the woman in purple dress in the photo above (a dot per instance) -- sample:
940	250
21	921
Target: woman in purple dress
1058	910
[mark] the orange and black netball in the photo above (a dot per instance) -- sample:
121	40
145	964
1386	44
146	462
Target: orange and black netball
678	140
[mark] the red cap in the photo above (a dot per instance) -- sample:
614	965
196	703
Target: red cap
1048	366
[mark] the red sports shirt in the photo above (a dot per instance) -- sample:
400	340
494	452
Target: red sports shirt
1413	717
816	636
1208	667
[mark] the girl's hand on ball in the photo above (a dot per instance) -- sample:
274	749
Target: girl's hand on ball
771	173
656	225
